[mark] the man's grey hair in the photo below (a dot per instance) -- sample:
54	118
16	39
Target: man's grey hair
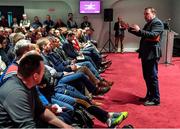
21	47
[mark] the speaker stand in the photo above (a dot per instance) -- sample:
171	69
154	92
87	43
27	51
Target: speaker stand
111	47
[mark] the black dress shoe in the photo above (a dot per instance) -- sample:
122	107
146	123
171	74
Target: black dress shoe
143	99
105	62
101	70
104	56
102	90
151	103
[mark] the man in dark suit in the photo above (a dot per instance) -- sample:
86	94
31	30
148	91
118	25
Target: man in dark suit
150	53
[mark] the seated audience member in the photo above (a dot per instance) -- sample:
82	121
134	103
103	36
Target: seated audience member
4	21
85	23
57	48
43	31
37	35
49	23
7	32
36	24
14	23
1	30
72	53
87	48
20	49
16	38
63	34
3	54
25	22
88	35
19	104
90	56
69	75
112	119
51	32
2	67
20	30
59	23
70	22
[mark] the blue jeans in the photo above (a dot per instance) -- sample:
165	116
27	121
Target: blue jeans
91	67
76	78
96	57
70	91
88	58
63	101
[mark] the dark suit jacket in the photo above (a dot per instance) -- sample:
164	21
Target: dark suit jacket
149	48
69	50
85	24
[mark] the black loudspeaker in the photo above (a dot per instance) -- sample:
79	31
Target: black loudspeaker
108	15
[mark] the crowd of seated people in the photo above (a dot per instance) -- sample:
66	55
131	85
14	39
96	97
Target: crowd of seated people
73	67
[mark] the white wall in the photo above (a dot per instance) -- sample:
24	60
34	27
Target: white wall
130	10
41	9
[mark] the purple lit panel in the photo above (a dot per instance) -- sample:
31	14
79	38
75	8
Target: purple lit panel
89	6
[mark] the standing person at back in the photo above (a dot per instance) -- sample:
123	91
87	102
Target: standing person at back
119	28
150	53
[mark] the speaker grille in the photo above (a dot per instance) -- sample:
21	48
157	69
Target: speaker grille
108	15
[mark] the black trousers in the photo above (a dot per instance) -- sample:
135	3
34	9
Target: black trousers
99	113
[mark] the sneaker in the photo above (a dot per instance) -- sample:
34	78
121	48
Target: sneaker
115	121
114	114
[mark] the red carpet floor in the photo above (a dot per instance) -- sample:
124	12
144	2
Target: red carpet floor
129	85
